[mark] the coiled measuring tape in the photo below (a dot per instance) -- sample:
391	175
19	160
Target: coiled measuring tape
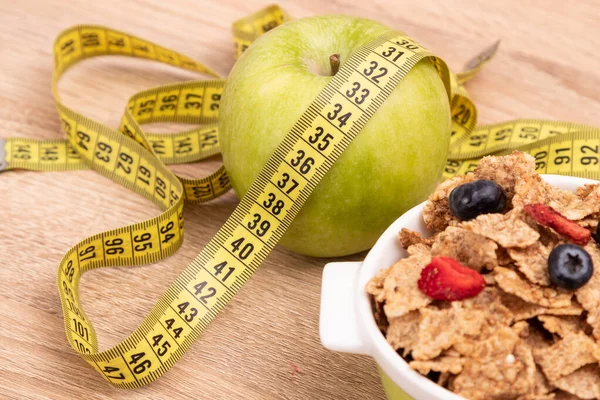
137	160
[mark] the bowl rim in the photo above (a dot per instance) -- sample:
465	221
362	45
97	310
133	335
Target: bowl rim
389	361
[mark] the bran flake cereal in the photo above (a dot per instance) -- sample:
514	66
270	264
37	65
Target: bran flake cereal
471	249
410	238
589	294
493	374
453	365
510	281
583	383
400	292
521	337
523	310
532	261
566	355
441	329
402	331
533	189
504	229
541	386
564	326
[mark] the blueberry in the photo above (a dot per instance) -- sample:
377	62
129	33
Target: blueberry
475	198
570	266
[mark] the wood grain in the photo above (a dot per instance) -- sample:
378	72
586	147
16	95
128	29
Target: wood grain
265	344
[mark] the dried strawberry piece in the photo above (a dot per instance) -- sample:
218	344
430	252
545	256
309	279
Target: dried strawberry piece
547	216
447	279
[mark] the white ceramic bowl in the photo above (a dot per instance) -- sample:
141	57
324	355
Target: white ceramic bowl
346	320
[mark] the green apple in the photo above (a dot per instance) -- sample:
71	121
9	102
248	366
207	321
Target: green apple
392	165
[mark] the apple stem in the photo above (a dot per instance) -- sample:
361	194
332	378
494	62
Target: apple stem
334	60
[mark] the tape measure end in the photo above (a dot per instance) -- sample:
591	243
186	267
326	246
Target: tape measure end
496	45
3	163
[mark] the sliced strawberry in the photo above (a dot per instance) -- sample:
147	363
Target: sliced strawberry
547	216
447	279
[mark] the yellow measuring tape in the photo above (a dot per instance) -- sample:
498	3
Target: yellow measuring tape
137	160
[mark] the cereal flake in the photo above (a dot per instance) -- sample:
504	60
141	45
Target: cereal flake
533	189
565	356
470	249
523	310
402	331
410	238
509	281
493	374
400	290
589	294
562	326
584	383
453	365
532	261
504	229
440	329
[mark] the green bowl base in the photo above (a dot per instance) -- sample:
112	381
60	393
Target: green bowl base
392	391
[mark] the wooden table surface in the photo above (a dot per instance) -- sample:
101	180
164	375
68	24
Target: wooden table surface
265	344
